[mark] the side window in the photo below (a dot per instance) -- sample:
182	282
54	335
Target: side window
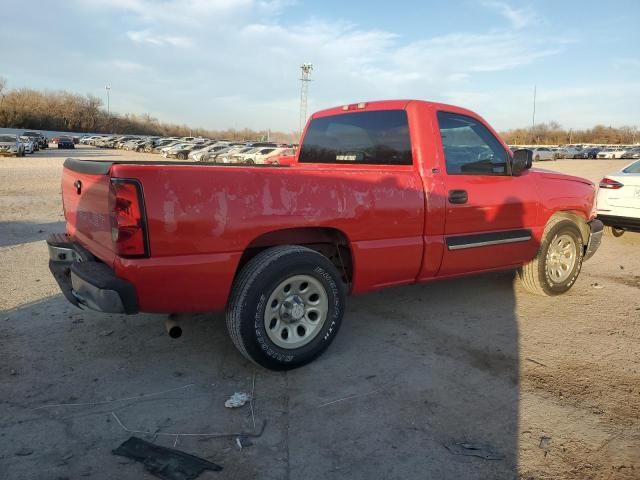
469	147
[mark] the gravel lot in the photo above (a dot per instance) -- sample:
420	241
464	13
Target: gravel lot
546	387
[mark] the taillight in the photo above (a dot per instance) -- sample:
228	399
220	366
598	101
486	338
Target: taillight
610	184
128	220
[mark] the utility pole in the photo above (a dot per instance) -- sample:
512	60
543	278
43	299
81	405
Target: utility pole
533	120
305	78
108	89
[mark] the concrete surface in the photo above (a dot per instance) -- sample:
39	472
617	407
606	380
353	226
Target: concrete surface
549	386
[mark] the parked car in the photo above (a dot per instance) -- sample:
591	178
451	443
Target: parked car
65	142
198	154
542	153
612	152
619	200
263	155
239	156
221	156
39	139
11	145
592	152
279	249
572	152
285	158
180	152
632	153
29	144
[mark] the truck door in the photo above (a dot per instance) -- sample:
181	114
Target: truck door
489	212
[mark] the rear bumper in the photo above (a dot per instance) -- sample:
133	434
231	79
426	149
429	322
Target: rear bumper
595	238
627	223
86	282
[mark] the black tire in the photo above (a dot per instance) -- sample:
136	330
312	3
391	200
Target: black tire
535	275
249	161
537	158
251	290
181	156
613	232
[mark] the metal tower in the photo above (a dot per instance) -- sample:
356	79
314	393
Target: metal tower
305	78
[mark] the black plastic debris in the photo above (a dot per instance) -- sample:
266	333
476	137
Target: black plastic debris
474	450
165	463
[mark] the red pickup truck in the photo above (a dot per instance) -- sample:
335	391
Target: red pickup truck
381	193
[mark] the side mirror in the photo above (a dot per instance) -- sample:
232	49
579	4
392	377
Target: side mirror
522	159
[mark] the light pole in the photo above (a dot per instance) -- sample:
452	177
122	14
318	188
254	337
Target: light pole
305	78
108	89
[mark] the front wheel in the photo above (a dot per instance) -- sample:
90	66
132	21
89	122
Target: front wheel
558	261
286	307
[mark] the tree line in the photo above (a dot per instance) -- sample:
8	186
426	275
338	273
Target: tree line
552	133
63	111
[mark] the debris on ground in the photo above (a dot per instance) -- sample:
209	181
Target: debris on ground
23	452
474	450
532	360
596	285
237	400
544	442
165	463
105	333
12	372
243	441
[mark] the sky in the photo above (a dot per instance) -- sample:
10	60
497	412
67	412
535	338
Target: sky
235	63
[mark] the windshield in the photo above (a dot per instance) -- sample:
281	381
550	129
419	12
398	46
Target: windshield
64	139
633	168
7	138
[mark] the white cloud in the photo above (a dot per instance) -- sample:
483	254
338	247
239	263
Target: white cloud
244	71
518	17
146	36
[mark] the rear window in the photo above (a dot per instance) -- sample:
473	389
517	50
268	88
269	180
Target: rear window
633	168
372	138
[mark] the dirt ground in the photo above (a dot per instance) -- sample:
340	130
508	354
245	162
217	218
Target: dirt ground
418	378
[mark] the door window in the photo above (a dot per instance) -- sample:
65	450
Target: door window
469	147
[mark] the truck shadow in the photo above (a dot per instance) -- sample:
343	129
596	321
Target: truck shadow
15	232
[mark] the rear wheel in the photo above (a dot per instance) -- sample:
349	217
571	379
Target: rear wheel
286	307
537	158
181	156
558	261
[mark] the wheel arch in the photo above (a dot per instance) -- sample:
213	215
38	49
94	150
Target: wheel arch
576	218
330	242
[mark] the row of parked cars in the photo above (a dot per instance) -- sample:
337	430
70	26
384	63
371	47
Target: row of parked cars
199	149
584	152
12	144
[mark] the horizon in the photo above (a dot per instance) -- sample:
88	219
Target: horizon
225	64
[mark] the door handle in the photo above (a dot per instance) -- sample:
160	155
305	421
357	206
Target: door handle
458	196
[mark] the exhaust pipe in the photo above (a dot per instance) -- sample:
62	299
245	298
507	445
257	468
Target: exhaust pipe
173	327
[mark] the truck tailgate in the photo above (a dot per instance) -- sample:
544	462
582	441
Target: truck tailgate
85	197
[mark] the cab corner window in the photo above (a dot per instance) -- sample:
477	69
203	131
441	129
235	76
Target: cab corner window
374	138
469	147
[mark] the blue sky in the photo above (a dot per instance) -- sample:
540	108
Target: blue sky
234	63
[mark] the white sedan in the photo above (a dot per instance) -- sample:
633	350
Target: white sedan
619	200
612	153
543	153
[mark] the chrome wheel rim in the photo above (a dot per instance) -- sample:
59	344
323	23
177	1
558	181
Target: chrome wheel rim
296	311
561	257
